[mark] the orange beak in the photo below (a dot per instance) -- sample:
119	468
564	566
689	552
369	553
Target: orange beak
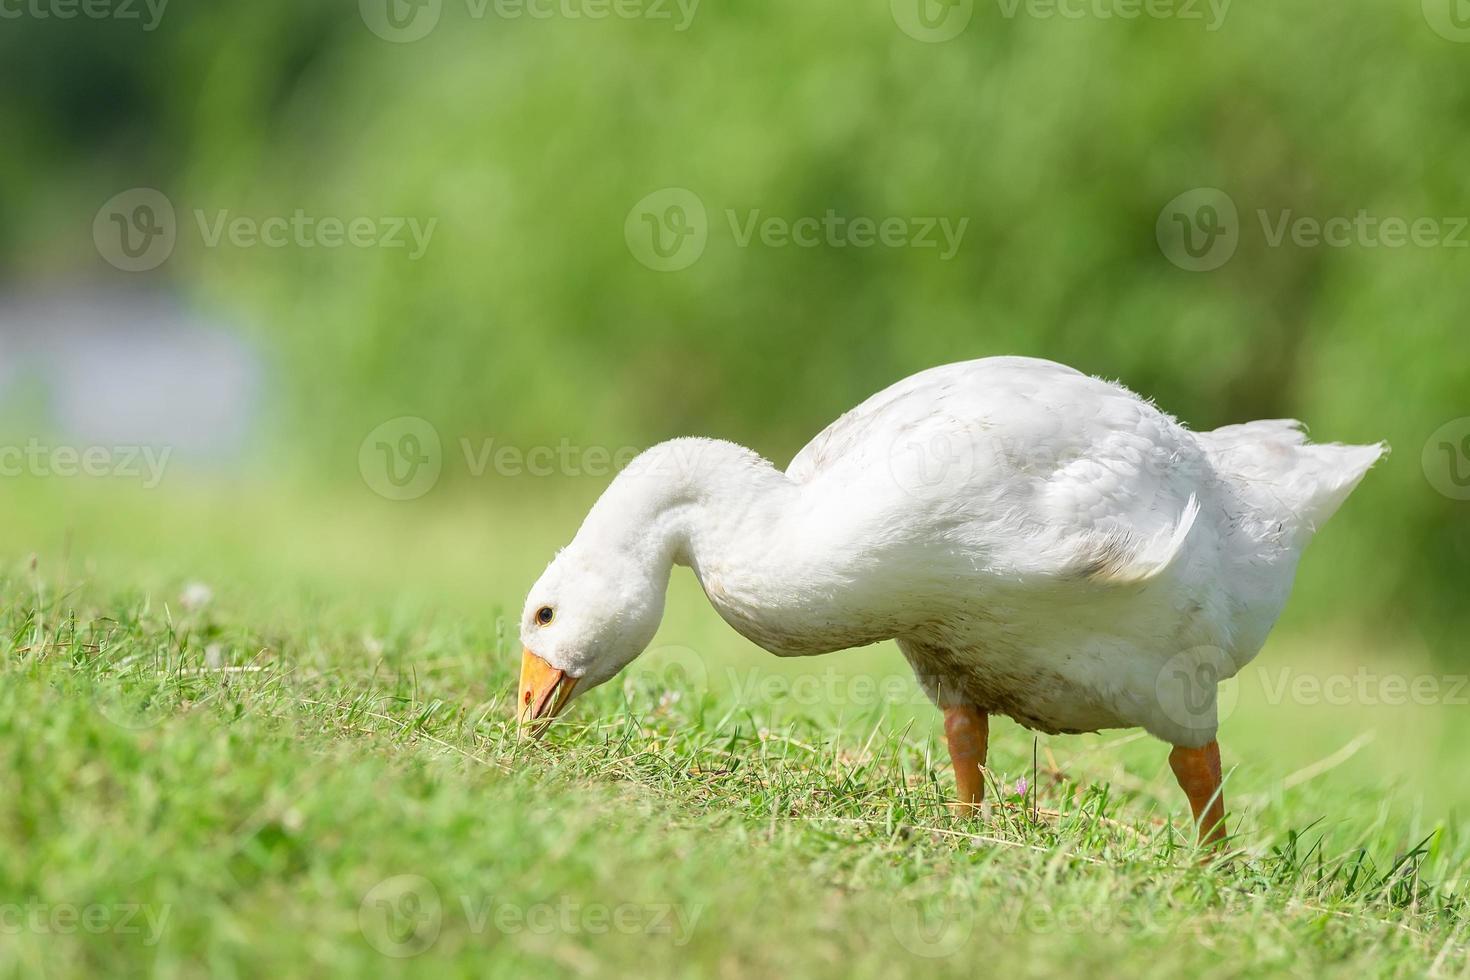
544	691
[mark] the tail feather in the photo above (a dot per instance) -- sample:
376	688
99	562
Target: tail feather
1272	462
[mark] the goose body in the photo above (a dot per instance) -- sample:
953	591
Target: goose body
1040	543
1059	540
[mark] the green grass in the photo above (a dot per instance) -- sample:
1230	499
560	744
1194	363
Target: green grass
314	774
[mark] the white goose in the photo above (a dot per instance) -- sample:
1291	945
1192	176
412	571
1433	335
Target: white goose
1040	543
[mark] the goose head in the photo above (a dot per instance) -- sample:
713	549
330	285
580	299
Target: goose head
589	615
598	604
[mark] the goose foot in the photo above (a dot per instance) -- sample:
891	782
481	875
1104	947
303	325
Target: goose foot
967	732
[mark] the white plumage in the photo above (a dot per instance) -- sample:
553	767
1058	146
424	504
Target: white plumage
1041	544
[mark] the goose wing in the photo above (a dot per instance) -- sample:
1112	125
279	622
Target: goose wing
1029	467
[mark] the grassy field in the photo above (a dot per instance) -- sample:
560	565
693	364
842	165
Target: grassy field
308	769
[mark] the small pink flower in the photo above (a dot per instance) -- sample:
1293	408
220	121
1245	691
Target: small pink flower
1021	786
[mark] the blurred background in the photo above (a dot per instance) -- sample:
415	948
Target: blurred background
381	294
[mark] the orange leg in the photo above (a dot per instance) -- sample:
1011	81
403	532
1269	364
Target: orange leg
967	730
1198	772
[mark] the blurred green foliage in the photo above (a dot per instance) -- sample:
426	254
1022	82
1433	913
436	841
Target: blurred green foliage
529	140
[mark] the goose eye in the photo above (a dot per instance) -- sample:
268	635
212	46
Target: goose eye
545	615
